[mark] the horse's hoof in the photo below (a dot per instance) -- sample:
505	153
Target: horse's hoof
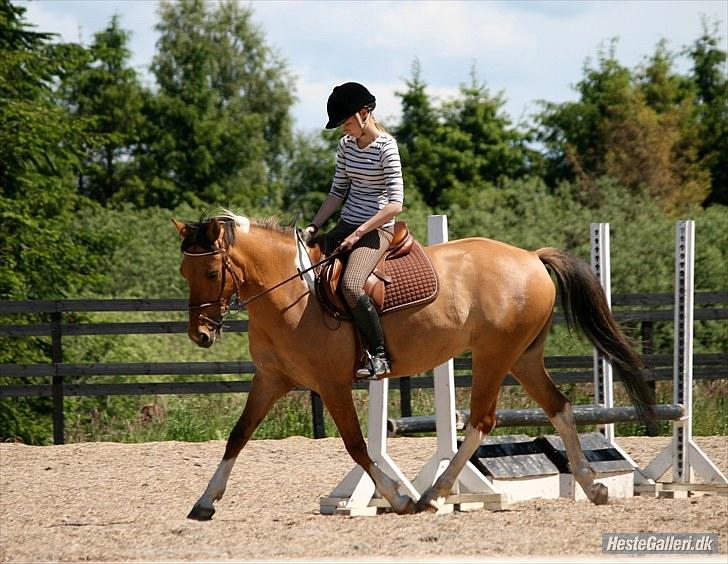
200	513
405	508
600	494
426	505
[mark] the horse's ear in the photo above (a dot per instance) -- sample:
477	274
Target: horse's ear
215	231
182	228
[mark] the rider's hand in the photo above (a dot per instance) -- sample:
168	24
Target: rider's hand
309	233
350	241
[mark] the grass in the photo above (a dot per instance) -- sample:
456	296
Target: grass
209	417
212	416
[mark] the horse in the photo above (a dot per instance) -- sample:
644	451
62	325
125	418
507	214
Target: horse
495	301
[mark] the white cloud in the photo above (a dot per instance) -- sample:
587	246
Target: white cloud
458	29
79	20
48	19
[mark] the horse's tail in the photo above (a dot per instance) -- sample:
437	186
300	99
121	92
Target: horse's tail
585	306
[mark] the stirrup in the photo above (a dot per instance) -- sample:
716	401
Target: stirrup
377	365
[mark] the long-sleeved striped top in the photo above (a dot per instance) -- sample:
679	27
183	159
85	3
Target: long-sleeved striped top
368	179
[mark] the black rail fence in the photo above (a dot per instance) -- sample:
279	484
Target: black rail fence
62	322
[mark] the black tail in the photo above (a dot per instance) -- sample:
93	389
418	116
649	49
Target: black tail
585	306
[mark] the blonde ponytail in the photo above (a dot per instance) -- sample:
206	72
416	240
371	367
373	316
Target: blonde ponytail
379	125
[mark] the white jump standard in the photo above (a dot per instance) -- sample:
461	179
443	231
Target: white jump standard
682	454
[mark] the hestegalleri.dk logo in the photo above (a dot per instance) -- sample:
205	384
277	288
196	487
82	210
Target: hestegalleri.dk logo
659	543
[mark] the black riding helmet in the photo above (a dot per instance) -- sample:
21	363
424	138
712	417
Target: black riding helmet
345	100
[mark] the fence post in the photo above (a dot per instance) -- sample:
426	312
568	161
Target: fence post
57	385
603	374
648	346
405	397
317	409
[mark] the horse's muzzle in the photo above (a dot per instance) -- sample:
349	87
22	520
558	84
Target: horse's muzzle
204	338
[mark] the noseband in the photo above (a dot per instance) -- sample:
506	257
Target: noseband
224	305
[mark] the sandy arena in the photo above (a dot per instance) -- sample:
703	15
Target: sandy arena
109	501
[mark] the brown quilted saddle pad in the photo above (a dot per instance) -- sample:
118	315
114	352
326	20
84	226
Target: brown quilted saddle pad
403	278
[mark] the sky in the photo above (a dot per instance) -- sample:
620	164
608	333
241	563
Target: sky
528	50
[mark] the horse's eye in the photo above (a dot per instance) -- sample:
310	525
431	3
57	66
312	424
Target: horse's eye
212	275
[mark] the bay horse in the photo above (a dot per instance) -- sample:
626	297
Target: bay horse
495	300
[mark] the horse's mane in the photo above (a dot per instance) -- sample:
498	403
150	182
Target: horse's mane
197	231
272	224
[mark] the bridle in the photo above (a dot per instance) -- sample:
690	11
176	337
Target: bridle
239	283
221	301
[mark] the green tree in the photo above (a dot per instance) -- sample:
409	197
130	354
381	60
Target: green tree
710	78
662	88
633	126
481	143
573	132
452	149
106	91
220	119
40	149
307	175
416	138
43	255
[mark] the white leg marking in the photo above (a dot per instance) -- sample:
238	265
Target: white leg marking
388	488
583	473
442	487
217	484
472	440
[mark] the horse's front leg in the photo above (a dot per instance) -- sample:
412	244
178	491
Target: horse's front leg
342	410
265	391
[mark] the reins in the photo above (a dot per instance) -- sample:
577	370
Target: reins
225	307
299	274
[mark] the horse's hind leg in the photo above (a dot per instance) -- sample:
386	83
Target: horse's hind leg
266	389
531	373
430	499
340	404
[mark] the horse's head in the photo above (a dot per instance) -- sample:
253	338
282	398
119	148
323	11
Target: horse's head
210	274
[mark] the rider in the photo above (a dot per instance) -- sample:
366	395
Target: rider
368	182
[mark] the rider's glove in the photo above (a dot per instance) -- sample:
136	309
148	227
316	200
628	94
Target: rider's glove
309	233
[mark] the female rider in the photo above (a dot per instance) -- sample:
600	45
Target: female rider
368	182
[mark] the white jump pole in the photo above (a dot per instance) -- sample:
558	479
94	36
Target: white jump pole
470	479
682	454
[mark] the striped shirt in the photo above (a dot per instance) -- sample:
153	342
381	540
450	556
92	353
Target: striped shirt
367	179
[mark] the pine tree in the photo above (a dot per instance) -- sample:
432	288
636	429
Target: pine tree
106	91
710	79
221	116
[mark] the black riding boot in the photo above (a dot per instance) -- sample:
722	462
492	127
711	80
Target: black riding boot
367	320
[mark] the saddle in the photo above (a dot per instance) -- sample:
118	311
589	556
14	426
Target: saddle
403	277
